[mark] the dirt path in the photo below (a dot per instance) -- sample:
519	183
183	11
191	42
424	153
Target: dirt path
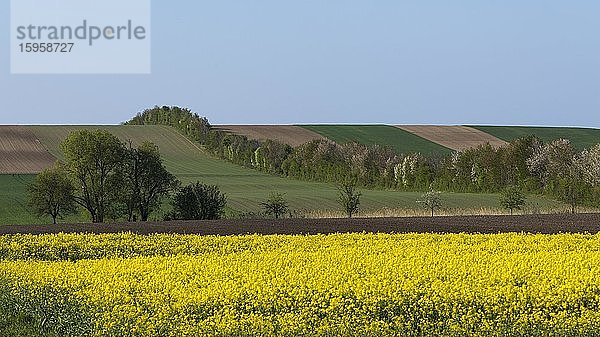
547	224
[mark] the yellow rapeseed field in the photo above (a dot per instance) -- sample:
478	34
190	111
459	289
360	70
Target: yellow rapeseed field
335	285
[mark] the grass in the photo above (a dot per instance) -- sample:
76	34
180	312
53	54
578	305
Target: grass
13	199
245	188
581	138
311	199
400	140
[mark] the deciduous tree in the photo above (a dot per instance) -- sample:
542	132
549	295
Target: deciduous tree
512	198
276	205
94	159
146	180
52	193
431	200
349	197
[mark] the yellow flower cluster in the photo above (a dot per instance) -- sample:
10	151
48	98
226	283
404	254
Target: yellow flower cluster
335	285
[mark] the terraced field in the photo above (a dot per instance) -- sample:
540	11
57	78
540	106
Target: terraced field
400	140
581	138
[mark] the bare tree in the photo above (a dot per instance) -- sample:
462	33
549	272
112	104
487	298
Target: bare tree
349	198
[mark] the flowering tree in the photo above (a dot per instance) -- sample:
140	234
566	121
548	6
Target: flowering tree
431	200
590	165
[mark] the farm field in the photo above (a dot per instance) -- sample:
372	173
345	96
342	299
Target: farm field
581	138
21	152
245	188
476	224
458	138
335	285
286	134
384	135
245	192
13	200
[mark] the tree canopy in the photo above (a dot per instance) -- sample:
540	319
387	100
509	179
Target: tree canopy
94	159
52	193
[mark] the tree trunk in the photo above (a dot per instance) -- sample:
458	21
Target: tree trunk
432	212
144	214
94	216
53	219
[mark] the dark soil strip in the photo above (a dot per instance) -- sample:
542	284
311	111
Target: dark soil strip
547	224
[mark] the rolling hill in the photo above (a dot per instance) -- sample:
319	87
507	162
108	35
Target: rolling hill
286	134
21	152
581	138
457	138
429	139
245	188
398	139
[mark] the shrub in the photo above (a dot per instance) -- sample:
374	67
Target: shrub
198	201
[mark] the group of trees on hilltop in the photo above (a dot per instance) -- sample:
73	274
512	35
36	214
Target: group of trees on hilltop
111	180
553	168
182	119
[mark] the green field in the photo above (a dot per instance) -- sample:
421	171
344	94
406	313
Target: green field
581	138
245	194
400	140
245	188
13	199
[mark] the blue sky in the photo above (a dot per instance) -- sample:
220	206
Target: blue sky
341	61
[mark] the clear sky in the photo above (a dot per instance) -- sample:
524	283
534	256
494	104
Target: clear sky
521	62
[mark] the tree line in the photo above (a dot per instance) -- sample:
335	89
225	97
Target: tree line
555	168
113	180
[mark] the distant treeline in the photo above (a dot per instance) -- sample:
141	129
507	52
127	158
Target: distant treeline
556	169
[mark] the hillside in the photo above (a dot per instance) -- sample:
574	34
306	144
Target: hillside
581	138
286	134
428	139
245	188
457	138
21	152
400	140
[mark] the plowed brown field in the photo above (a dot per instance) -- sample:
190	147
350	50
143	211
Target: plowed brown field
21	152
287	134
546	224
457	138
